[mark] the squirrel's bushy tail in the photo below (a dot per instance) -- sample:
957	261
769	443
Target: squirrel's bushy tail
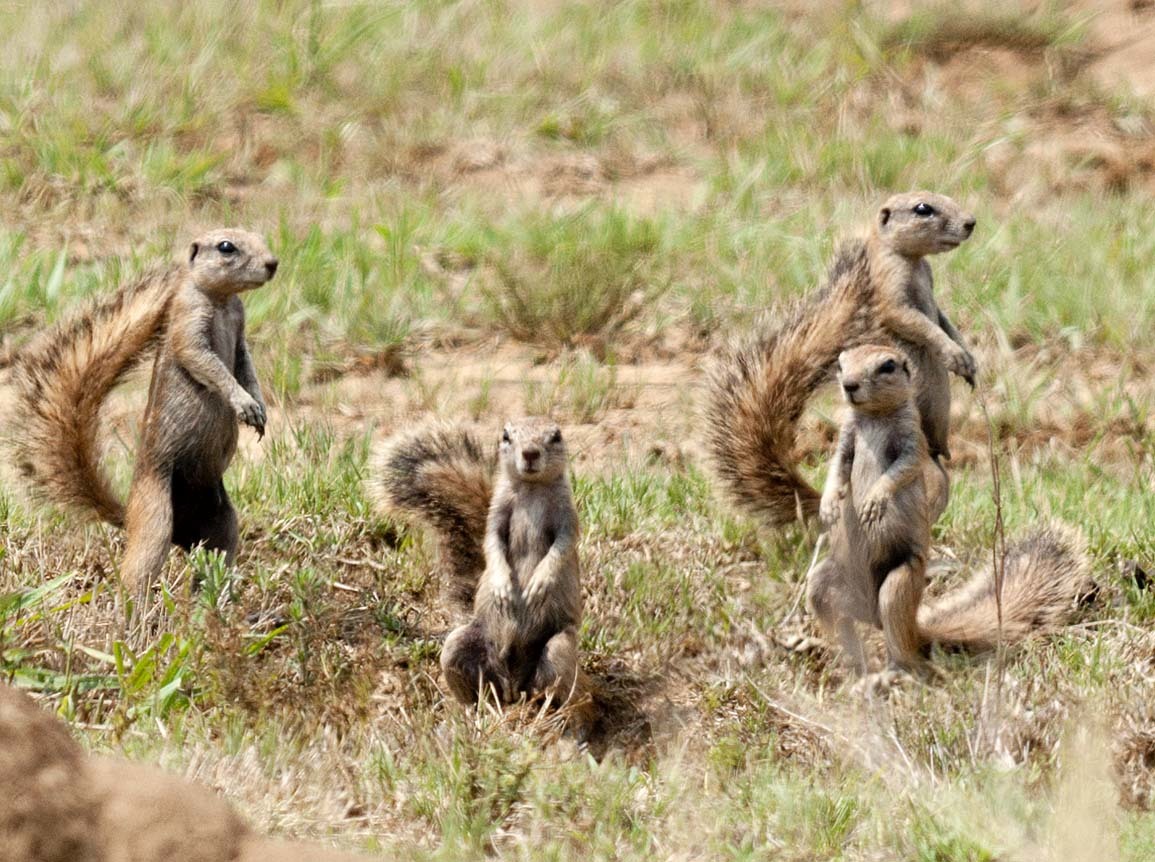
62	379
1045	576
440	475
757	392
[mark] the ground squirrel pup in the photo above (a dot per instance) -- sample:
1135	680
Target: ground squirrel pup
878	290
507	531
876	508
203	382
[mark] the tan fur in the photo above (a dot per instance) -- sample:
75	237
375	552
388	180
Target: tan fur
877	510
62	378
527	610
877	290
58	805
202	383
1045	574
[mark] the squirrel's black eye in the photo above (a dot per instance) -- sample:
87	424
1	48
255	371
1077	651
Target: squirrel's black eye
505	436
924	210
226	247
888	367
555	437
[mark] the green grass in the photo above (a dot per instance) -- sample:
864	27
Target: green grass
563	208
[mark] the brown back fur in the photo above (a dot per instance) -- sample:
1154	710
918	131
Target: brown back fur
148	816
61	806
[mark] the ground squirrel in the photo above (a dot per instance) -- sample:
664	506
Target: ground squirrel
876	509
523	577
878	290
202	382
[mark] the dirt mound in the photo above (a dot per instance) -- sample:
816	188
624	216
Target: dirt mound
147	814
47	813
62	806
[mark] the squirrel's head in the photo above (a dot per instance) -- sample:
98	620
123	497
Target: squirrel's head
230	260
532	450
921	223
875	379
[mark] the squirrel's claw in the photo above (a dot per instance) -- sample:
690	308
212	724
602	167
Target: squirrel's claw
873	509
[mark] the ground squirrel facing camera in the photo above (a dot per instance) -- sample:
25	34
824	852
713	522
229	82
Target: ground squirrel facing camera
878	514
203	382
878	290
523	577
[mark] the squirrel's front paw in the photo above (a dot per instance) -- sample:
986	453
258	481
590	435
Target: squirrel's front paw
501	590
535	591
251	412
830	509
873	508
962	363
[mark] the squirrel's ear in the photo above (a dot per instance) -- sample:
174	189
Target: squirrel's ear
883	216
193	252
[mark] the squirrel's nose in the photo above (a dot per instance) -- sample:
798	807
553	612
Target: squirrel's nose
969	225
530	455
271	267
850	387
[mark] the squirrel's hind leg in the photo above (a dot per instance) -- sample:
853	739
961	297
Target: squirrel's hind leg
831	600
898	600
557	669
204	515
469	663
148	523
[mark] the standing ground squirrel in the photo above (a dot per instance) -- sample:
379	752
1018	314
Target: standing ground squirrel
202	382
876	508
878	290
523	578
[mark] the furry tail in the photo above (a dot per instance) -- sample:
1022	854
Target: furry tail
443	476
1046	574
757	393
62	379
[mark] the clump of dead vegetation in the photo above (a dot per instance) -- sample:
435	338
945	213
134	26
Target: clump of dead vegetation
578	279
940	32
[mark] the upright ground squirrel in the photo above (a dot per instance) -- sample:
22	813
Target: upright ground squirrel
876	509
203	382
523	577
